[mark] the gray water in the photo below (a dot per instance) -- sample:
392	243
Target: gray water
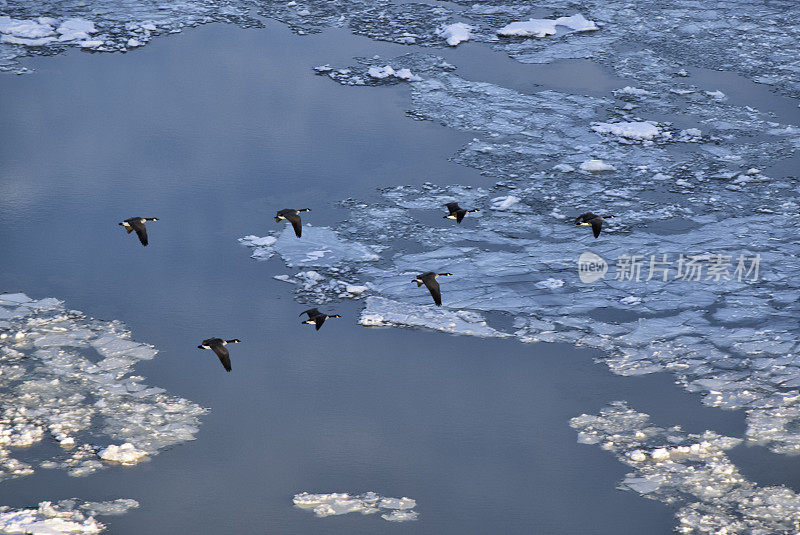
212	131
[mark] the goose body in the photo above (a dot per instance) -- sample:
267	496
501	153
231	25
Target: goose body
429	280
595	221
317	318
292	216
138	224
456	212
217	345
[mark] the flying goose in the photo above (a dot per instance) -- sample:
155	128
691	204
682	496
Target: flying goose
218	346
595	221
429	280
456	212
315	317
137	224
293	216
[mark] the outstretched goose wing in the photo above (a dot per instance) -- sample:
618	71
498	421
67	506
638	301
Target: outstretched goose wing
224	356
141	231
436	293
294	219
597	225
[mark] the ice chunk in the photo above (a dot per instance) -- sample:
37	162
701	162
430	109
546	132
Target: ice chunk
596	166
504	203
455	33
126	454
630	130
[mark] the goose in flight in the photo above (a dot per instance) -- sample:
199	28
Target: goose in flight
317	318
595	221
218	346
293	217
429	280
456	212
137	224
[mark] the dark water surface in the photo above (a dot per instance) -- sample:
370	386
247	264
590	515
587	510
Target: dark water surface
212	131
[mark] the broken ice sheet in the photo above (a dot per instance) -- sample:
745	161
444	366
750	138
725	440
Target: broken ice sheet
340	503
67	378
519	256
690	471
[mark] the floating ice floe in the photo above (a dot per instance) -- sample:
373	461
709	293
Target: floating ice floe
455	34
66	516
543	27
380	311
340	503
65	377
690	471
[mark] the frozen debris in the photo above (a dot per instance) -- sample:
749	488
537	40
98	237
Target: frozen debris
384	312
340	503
596	166
454	34
543	27
690	471
66	516
67	378
640	130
